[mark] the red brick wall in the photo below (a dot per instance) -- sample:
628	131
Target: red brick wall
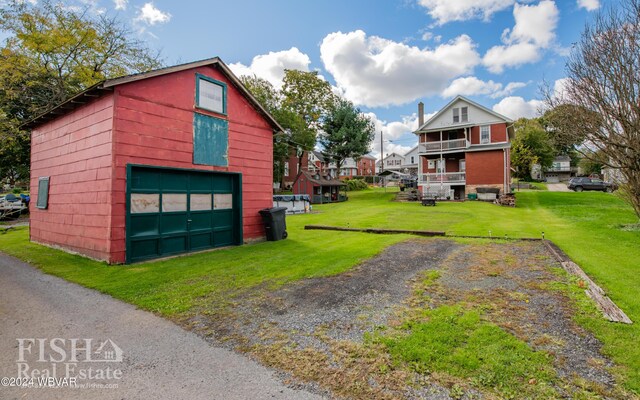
75	151
485	167
498	133
153	125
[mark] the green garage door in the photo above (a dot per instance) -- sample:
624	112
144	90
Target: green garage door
172	211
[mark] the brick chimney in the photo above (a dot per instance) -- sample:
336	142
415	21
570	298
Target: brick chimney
420	114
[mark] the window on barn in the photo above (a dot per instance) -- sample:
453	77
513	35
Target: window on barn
210	134
43	193
211	94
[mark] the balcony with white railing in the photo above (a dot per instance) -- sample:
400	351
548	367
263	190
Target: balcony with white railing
445	145
449	178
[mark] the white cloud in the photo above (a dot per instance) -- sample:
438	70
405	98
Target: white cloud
533	31
470	85
397	135
444	11
589	5
120	4
271	66
375	72
516	107
151	15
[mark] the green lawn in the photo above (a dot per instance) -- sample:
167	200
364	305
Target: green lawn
587	226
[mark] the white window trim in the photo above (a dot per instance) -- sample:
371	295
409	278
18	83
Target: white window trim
431	164
456	114
489	138
465	114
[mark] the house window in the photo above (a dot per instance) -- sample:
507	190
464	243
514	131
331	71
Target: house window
412	160
440	165
43	192
456	115
464	114
286	168
211	94
431	164
485	134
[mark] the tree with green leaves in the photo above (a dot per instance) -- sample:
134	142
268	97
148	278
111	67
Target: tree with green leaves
532	145
346	133
309	96
272	100
51	53
599	106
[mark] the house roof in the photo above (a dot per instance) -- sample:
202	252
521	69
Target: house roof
320	180
562	158
455	99
318	155
107	85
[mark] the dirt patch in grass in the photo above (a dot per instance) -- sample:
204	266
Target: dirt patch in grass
499	314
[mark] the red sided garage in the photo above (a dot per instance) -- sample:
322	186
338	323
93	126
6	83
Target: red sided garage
148	165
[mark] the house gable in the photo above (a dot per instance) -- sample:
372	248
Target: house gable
476	115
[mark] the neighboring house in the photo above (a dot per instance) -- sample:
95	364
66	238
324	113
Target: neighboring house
321	189
315	162
462	147
560	170
350	168
393	162
143	166
405	164
411	159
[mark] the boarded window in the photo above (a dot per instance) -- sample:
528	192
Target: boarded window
210	140
172	202
222	201
200	202
145	203
43	192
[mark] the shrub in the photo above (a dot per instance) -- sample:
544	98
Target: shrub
356	184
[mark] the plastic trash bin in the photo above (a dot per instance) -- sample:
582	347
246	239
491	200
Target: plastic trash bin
274	223
472	196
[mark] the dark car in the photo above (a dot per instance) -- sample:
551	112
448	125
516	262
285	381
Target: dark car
584	183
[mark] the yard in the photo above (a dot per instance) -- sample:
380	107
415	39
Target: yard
597	230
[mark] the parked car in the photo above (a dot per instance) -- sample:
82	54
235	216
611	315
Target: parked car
584	183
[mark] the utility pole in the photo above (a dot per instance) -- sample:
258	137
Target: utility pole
381	156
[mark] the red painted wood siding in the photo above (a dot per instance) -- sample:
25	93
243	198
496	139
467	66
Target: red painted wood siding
153	125
485	167
75	151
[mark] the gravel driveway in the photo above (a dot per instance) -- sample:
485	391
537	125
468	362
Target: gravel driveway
313	330
558	187
159	360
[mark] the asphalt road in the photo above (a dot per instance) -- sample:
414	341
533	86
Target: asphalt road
147	357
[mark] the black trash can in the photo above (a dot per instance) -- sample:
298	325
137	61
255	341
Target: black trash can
274	223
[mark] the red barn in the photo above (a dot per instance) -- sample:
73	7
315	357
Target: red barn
165	162
463	147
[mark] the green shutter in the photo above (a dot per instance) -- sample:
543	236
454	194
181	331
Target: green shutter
43	192
210	140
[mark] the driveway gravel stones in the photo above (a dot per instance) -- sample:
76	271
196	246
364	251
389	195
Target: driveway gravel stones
312	330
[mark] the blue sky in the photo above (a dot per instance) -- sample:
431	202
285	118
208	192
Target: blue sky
385	56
